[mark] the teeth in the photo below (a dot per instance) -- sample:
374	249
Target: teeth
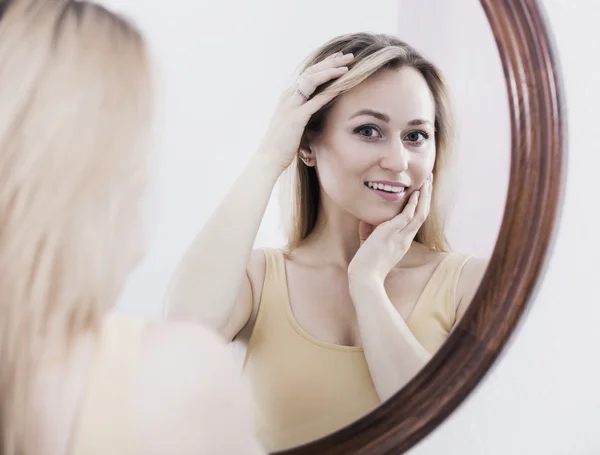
388	188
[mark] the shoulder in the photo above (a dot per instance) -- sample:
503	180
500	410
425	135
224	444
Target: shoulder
189	393
468	282
195	357
173	341
471	274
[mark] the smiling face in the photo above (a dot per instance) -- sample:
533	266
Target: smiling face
377	145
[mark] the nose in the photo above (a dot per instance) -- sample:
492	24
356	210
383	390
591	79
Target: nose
395	158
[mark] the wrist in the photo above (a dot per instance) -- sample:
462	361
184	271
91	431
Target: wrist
267	167
367	292
365	283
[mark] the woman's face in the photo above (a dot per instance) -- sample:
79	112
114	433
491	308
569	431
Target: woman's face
377	145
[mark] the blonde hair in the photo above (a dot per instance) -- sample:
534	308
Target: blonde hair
75	88
372	53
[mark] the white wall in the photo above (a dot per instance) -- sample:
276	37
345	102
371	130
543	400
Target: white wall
223	66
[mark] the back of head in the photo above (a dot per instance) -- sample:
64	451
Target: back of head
75	90
373	53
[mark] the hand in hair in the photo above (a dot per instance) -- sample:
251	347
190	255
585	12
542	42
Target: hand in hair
218	293
282	140
383	246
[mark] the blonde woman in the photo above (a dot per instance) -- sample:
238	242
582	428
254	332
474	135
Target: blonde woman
367	288
74	118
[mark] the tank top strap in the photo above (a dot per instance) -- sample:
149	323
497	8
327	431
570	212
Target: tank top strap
439	295
275	282
105	423
452	271
271	318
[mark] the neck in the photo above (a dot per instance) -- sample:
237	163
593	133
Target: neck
335	235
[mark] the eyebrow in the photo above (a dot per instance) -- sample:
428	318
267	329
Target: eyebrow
386	118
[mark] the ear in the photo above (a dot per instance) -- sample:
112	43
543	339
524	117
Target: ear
305	151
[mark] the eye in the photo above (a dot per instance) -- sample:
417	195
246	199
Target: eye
367	131
417	137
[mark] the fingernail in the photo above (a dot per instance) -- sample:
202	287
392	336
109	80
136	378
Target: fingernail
418	193
349	56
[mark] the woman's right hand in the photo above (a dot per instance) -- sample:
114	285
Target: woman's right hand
282	140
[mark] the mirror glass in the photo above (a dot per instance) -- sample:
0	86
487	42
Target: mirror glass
327	329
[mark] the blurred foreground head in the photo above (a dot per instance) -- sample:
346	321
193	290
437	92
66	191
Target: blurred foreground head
75	112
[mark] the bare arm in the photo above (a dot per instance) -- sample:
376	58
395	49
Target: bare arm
393	354
211	284
211	280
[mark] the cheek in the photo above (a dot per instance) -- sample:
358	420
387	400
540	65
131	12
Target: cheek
342	168
421	167
331	178
345	156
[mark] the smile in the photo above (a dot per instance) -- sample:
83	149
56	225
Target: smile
387	191
386	187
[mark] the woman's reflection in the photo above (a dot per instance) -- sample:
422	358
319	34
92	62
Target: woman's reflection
367	287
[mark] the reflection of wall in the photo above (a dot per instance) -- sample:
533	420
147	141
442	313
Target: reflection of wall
542	397
456	37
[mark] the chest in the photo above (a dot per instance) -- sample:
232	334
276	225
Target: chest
321	304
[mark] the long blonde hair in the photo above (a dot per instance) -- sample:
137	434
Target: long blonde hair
300	193
75	91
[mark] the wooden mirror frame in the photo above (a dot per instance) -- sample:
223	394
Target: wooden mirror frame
517	263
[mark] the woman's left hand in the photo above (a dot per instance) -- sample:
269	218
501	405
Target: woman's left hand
382	247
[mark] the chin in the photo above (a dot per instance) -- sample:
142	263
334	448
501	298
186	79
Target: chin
376	215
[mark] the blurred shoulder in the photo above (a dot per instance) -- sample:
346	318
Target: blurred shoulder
189	392
172	340
195	358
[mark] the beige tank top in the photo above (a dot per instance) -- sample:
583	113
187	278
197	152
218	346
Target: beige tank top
104	425
305	388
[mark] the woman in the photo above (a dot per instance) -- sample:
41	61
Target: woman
367	289
75	114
